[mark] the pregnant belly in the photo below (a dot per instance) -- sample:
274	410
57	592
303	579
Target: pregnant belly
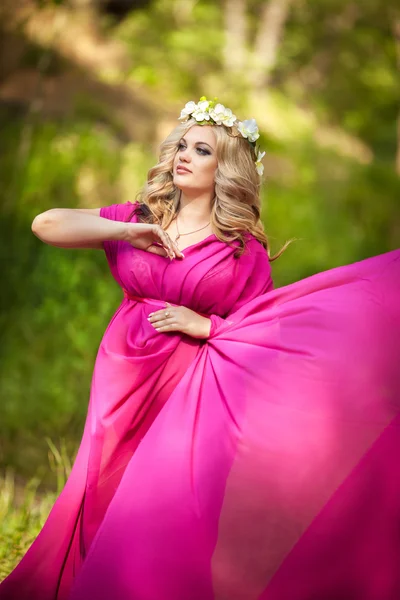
136	370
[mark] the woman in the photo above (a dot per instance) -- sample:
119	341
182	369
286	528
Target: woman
241	442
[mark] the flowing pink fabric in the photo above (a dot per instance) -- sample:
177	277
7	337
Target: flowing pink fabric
260	464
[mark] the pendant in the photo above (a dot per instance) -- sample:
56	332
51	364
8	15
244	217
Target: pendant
177	237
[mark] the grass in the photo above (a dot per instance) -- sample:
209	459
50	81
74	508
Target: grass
24	508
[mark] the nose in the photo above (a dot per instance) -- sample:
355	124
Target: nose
184	156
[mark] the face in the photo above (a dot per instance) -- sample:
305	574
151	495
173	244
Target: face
195	162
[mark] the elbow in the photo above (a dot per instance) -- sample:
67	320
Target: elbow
41	223
36	224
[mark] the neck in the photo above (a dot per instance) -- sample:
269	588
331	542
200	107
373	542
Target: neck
194	210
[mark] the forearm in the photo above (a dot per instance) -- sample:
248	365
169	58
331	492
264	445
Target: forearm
203	328
216	323
67	228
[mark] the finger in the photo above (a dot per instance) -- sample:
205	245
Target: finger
173	247
168	308
156	314
165	328
163	240
167	243
159	318
177	251
160	250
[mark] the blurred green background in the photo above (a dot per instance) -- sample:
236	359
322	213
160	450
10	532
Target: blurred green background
88	90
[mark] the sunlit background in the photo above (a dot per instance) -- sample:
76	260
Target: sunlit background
88	90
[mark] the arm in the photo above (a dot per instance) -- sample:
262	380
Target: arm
77	228
85	228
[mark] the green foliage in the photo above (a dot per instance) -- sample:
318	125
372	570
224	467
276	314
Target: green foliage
24	508
171	56
55	301
335	206
340	58
22	514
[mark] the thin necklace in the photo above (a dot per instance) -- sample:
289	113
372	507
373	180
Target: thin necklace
189	232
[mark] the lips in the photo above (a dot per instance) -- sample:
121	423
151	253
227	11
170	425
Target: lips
180	169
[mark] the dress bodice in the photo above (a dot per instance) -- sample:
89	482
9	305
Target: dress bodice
209	280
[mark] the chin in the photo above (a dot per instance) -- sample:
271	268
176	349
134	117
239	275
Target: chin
184	189
181	184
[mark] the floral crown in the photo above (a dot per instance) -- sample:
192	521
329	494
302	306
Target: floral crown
208	112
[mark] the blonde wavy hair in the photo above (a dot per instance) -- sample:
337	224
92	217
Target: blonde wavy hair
236	206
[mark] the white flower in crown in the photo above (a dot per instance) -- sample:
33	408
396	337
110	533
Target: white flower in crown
249	129
222	115
259	165
201	111
187	111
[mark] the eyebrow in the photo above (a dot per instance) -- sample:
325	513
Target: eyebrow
205	143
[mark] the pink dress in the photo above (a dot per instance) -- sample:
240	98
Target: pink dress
260	464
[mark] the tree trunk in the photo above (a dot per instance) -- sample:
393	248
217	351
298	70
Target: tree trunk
235	35
272	22
396	32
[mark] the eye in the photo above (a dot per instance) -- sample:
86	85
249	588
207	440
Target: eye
201	151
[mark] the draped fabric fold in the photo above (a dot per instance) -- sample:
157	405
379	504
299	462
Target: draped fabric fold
260	464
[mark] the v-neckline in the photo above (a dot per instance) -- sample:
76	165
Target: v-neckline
197	243
188	248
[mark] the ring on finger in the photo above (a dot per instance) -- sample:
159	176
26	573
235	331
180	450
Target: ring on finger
166	313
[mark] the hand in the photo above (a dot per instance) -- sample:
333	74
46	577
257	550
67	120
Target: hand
180	318
144	236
